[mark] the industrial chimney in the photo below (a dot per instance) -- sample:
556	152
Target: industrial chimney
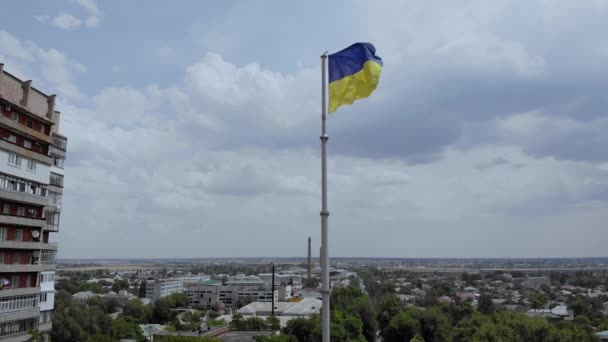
309	260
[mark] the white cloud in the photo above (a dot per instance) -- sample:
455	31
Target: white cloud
231	150
43	18
163	165
49	68
90	6
12	47
92	21
235	93
66	21
94	13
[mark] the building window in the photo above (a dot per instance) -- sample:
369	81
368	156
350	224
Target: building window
31	212
2	233
1	257
21	211
43	297
15	281
17	258
57	161
19	234
56	179
12	138
6	209
14	116
29	123
27	143
14	160
31	165
55	198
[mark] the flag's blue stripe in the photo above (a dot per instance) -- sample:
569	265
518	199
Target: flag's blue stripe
351	60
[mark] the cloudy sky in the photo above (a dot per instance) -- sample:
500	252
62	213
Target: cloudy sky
193	128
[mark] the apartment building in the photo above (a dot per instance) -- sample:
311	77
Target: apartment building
31	185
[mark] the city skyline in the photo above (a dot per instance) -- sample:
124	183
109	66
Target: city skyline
194	129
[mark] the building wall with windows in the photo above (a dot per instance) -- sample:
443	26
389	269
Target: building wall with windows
231	295
20	166
163	287
32	154
47	290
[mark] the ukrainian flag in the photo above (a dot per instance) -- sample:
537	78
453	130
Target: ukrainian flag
353	74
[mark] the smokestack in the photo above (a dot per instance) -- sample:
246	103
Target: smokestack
309	259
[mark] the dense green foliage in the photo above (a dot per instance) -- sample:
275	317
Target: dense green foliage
254	323
87	321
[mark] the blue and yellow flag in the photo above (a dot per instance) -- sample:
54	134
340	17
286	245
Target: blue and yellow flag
353	74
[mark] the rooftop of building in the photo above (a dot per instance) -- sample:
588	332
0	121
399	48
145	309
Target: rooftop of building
305	307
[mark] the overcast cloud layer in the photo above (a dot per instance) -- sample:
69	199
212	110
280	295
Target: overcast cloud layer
193	131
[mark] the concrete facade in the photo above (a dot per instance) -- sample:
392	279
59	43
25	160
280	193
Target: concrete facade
31	185
206	295
162	288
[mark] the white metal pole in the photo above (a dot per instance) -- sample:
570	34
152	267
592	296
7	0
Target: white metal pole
325	289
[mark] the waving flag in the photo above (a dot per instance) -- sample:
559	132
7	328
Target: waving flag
353	74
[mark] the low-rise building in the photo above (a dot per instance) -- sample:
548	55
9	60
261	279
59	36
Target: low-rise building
535	282
284	311
560	312
233	293
286	279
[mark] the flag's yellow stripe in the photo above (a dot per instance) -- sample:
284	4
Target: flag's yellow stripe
356	86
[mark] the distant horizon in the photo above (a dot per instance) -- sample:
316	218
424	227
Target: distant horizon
340	257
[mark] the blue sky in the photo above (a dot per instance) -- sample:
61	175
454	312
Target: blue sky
193	128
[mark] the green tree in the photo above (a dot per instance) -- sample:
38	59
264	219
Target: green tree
303	329
136	311
121	329
100	338
353	301
273	323
401	328
485	304
434	324
388	309
538	300
250	323
417	338
36	336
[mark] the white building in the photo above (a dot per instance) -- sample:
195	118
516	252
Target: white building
285	311
160	288
293	279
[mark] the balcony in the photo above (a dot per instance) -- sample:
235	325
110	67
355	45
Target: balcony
55	199
20	291
48	326
56	179
60	142
19	315
48	257
15	220
18	127
18	268
8	244
22	190
27	153
52	221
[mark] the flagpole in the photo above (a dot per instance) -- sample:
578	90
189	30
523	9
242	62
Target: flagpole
325	288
